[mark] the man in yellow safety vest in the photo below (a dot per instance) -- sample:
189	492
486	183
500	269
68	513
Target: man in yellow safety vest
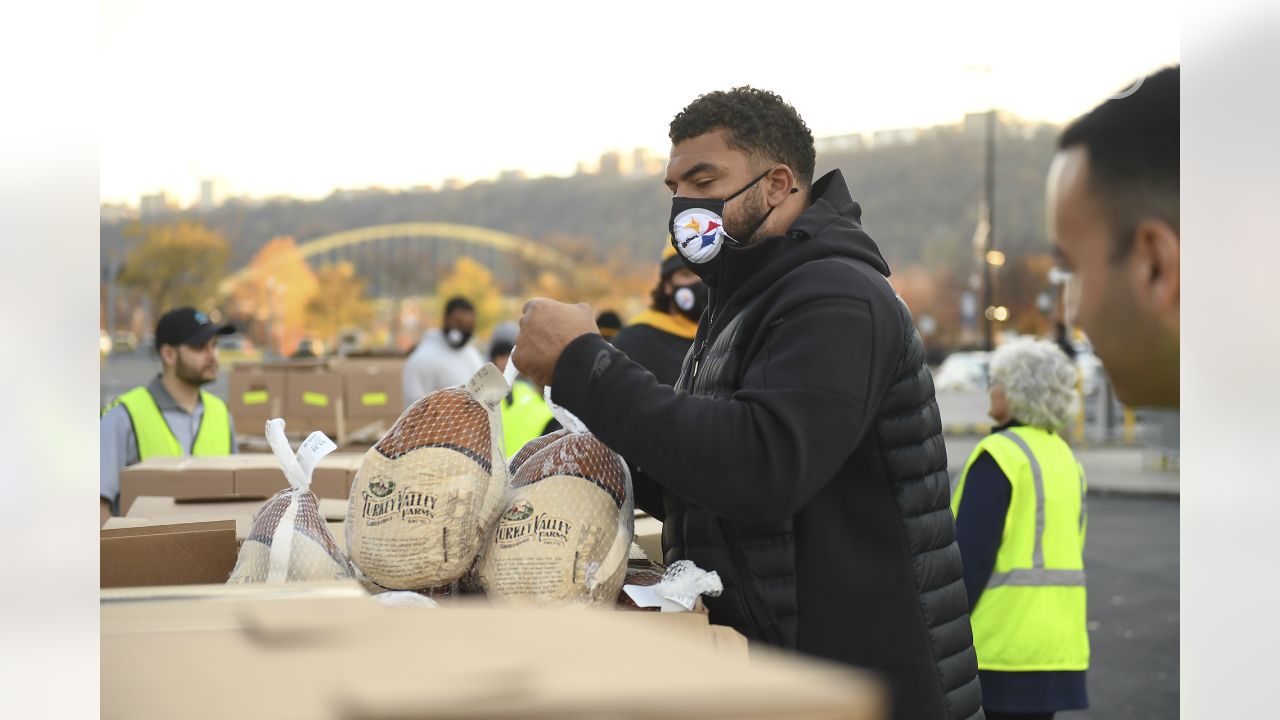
170	415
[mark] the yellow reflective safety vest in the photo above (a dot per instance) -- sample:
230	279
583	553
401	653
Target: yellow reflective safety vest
524	417
156	439
1031	616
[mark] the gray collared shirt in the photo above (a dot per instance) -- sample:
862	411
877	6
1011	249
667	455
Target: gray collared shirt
119	445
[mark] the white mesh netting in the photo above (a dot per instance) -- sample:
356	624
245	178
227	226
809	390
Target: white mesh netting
565	533
289	540
428	493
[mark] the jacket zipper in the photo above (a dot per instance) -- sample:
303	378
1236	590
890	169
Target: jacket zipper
711	324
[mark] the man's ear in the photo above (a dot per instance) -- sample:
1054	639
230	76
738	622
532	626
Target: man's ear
168	355
781	183
1156	268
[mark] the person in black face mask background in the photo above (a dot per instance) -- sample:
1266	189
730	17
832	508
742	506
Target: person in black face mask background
800	453
444	358
659	337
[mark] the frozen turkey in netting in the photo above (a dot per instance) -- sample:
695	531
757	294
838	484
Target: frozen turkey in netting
565	532
427	493
289	540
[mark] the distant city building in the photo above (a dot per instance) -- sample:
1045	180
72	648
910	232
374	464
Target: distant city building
115	212
210	195
839	143
511	176
154	204
976	123
901	136
645	162
610	164
453	184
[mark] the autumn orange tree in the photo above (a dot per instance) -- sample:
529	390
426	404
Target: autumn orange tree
175	264
340	303
474	282
276	289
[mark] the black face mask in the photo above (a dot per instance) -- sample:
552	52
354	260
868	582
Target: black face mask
697	226
456	338
690	300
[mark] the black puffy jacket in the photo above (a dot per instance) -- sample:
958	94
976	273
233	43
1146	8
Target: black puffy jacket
801	458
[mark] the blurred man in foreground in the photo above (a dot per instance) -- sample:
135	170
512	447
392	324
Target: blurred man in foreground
1113	209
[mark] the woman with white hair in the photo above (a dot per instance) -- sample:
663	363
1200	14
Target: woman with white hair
1020	525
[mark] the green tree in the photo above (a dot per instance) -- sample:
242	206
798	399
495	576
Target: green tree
175	264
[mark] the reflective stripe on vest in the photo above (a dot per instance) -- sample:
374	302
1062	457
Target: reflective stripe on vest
154	437
524	418
1031	615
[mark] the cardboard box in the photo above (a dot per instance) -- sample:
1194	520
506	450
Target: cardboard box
255	395
373	389
184	477
258	475
167	510
334	473
649	537
293	657
168	554
310	394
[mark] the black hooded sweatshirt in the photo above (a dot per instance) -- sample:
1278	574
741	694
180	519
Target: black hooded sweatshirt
801	457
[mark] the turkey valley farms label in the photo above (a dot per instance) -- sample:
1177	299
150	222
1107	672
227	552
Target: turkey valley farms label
520	525
382	502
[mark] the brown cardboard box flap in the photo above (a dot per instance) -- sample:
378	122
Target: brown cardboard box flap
354	658
170	510
183	477
170	554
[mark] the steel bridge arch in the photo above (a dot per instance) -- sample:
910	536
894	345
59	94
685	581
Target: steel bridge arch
472	235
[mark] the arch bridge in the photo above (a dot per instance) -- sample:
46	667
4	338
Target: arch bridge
405	259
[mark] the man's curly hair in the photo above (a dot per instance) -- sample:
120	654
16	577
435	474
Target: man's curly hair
757	122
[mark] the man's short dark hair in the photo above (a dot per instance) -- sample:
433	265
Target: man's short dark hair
500	348
757	122
458	303
1132	144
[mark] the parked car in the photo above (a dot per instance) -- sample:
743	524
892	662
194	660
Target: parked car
963	371
124	341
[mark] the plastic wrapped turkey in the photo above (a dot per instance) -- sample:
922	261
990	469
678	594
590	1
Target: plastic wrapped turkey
428	493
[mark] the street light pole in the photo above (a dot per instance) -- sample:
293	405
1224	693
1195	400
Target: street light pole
988	299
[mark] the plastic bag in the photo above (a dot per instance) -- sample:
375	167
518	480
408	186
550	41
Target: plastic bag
289	540
675	590
430	490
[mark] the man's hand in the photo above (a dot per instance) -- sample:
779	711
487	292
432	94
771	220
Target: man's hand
546	328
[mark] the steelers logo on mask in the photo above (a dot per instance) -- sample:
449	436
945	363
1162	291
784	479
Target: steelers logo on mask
699	234
685	299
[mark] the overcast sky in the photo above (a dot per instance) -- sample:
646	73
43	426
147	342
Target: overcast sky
301	98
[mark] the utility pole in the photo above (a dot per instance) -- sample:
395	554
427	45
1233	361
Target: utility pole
987	299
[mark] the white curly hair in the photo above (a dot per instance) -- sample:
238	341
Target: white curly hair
1039	381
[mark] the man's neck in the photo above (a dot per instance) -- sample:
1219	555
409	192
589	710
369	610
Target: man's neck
186	395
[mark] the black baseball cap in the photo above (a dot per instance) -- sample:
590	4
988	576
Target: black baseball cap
188	326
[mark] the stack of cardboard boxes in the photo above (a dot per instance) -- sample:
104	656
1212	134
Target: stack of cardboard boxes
248	476
341	397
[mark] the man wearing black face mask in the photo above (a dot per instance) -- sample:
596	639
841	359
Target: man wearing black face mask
800	454
659	337
443	358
